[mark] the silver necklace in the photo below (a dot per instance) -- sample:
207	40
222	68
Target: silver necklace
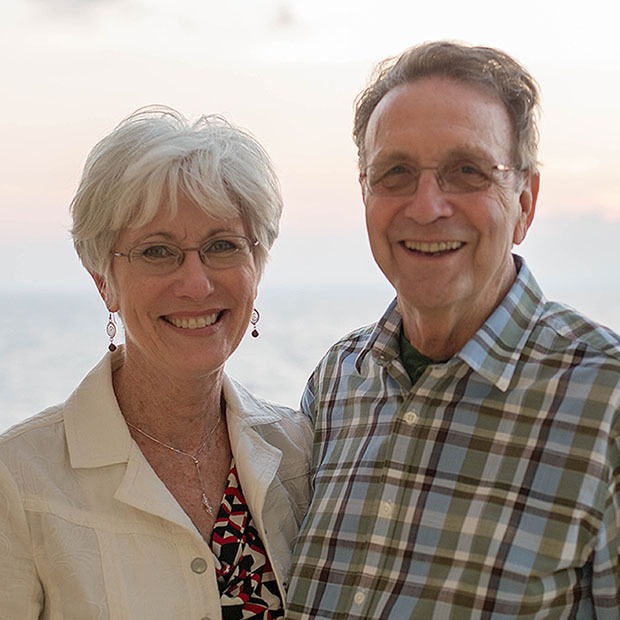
205	500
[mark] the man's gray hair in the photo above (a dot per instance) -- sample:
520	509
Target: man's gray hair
487	68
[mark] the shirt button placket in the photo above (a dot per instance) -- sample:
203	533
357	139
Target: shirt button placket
386	508
411	417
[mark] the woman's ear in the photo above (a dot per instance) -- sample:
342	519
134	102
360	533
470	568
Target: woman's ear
109	298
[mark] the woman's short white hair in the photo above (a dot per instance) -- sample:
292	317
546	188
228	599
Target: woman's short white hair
154	157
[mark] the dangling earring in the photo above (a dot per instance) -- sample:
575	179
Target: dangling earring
111	331
254	320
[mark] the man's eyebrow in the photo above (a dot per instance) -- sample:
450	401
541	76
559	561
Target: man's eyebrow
390	157
459	152
468	152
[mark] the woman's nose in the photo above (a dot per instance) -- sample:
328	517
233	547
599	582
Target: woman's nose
194	278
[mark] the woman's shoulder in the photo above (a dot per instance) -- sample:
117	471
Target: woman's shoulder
35	429
268	418
33	447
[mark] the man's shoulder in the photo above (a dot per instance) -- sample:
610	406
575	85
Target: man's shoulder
350	345
351	352
571	328
358	337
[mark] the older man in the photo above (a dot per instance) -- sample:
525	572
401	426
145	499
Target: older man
467	455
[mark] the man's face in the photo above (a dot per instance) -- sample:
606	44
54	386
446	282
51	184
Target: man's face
443	251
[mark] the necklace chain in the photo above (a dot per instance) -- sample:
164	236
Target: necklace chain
205	500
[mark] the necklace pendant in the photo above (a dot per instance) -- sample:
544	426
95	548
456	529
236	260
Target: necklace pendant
207	504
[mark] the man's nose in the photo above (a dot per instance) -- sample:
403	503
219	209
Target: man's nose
428	202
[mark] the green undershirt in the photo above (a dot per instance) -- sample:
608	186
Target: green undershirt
414	362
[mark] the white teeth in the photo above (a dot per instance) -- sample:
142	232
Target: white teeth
194	323
433	247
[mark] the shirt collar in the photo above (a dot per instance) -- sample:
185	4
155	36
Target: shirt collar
494	350
382	343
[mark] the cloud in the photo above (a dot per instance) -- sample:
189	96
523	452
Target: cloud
63	4
71	8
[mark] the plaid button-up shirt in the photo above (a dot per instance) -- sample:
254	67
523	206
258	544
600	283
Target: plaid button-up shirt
490	489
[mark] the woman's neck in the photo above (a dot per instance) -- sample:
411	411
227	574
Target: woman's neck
177	411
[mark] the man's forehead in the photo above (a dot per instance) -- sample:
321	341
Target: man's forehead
438	113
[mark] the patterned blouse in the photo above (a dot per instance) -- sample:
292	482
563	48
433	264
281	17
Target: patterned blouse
247	584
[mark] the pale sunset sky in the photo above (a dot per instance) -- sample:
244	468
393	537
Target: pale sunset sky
288	71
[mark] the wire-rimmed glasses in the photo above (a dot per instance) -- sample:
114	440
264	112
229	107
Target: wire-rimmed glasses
454	176
160	258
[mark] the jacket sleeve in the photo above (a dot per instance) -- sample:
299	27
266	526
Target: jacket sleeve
21	594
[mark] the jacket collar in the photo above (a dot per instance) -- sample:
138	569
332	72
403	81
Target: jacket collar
97	436
96	431
95	428
249	420
251	410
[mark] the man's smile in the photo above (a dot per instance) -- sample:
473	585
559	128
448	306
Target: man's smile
433	248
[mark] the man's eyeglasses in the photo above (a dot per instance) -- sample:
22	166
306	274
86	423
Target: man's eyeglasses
458	176
162	258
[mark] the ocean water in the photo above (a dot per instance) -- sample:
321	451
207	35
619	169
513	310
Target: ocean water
49	341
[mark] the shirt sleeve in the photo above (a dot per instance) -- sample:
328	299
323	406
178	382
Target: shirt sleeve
605	564
21	594
308	400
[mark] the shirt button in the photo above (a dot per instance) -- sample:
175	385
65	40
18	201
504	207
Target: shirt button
359	597
411	417
386	509
199	565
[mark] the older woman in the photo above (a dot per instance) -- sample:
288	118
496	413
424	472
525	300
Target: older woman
161	488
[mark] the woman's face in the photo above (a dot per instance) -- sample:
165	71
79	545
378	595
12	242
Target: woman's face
189	321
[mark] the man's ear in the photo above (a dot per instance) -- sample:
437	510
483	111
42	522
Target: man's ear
362	181
527	201
104	290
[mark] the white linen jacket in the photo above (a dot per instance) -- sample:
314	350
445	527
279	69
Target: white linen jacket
88	530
